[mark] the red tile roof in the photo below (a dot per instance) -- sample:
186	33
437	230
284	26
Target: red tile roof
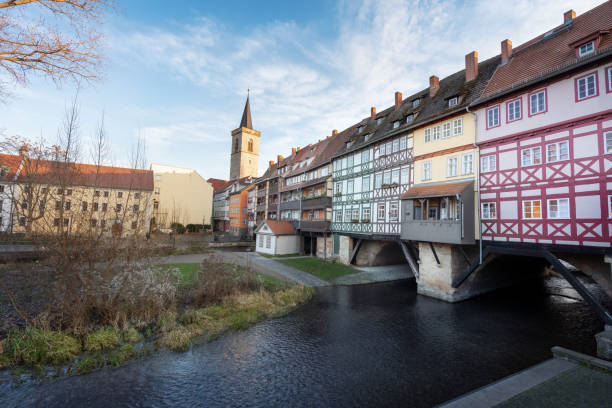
281	227
436	190
217	184
11	162
551	52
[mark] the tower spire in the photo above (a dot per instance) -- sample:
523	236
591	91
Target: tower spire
246	115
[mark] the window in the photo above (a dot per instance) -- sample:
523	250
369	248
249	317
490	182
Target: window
84	205
381	211
338	216
458	126
378	180
488	163
451	167
94	206
586	49
56	222
609	79
360	129
250	145
446	130
66	222
106	194
389	147
467	163
69	192
558	208
436	133
557	151
339	188
97	193
120	194
493	117
118	207
22	221
386	178
158	177
395	176
104	207
366	138
355	214
393	211
268	241
135	207
137	196
365	184
531	156
426	171
347	215
403	143
586	87
396	145
102	223
365	156
531	209
349	161
409	118
365	214
60	191
513	110
396	124
537	102
489	211
452	102
67	205
349	187
427	135
405	176
58	205
416	103
608	142
379	121
24	205
134	224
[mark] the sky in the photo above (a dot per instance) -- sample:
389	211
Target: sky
177	73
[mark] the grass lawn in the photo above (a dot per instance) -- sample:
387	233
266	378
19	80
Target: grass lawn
278	256
320	268
186	272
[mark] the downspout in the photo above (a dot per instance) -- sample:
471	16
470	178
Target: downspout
478	174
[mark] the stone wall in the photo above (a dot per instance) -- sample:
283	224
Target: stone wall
377	253
325	247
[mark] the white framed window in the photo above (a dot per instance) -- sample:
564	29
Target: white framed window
452	102
403	143
446	130
355	214
537	102
405	176
427	135
360	129
396	145
349	186
435	133
379	121
338	216
532	209
416	103
378	180
586	86
514	110
531	156
426	170
365	183
347	215
339	187
365	214
365	156
393	211
558	208
396	124
488	211
493	117
608	142
451	166
467	163
395	176
268	241
381	212
586	49
387	177
366	138
458	126
409	118
488	163
557	151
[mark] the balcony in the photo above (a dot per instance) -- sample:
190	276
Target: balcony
442	213
318	202
261	207
273	189
261	192
314	226
290	205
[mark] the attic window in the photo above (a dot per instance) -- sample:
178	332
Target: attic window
366	138
409	118
396	124
416	103
379	121
360	129
586	49
348	144
452	102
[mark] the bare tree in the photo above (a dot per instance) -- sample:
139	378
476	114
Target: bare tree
56	38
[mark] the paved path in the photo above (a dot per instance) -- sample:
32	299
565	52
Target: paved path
559	382
188	258
370	274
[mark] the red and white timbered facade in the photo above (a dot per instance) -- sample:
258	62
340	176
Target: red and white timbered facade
546	165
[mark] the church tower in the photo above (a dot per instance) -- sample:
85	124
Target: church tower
245	147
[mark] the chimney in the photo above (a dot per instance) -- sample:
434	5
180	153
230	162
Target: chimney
298	148
334	132
506	51
293	150
398	100
373	113
569	16
279	158
23	150
471	66
434	84
271	162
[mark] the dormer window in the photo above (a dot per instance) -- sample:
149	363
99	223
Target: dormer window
379	121
396	124
416	103
586	49
348	144
360	129
452	102
409	118
366	138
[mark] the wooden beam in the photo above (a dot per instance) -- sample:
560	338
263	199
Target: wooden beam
411	261
355	249
433	251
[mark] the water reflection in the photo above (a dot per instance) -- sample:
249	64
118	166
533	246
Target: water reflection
368	345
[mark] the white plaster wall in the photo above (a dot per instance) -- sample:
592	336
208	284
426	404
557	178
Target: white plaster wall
588	207
561	107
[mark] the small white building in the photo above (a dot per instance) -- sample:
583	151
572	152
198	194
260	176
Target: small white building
277	238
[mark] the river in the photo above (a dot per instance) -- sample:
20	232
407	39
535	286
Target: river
370	345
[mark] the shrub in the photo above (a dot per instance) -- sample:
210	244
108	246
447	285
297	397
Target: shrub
178	227
102	339
194	227
131	335
38	346
120	356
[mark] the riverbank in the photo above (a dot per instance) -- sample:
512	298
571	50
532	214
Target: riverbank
206	308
